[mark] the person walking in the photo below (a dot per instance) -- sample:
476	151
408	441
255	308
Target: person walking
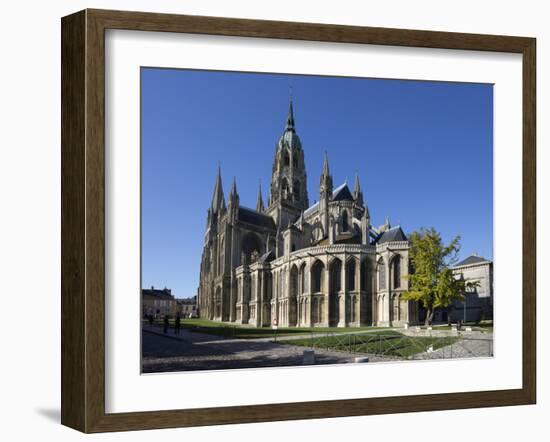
177	325
165	324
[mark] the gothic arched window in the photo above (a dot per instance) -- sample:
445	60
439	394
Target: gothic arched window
350	274
317	277
303	278
336	275
381	275
345	223
284	188
286	158
396	270
296	188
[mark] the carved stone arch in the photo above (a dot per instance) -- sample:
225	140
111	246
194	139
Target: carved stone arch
335	271
285	188
251	248
218	302
366	274
296	188
345	221
317	276
351	272
317	231
292	305
396	310
395	265
381	272
303	278
294	281
285	157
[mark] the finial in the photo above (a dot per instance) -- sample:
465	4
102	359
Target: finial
325	165
260	201
290	118
234	186
218	200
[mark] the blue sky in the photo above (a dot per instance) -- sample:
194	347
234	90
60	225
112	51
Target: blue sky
423	151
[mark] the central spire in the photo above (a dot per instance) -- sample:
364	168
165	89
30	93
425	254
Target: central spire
288	179
290	118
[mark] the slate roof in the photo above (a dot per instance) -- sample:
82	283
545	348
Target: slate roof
472	259
157	294
250	216
342	193
393	234
312	209
267	257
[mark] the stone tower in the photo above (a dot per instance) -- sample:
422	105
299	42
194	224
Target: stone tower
288	191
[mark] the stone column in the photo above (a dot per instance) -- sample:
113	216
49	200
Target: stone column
343	294
388	288
261	299
357	306
309	305
276	298
246	298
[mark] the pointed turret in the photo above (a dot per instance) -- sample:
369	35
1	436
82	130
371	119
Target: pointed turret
233	194
233	201
326	171
260	201
218	200
357	194
326	180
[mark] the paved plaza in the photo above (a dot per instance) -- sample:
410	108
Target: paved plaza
191	351
196	351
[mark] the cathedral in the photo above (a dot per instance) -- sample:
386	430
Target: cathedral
292	264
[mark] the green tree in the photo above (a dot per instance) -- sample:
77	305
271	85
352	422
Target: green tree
432	282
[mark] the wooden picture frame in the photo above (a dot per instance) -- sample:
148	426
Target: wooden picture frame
83	220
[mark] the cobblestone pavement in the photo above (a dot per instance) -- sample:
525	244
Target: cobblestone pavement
198	351
472	345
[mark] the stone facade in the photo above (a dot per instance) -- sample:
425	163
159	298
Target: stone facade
158	303
294	264
478	303
187	307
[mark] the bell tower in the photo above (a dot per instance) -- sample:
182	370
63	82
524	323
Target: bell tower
288	191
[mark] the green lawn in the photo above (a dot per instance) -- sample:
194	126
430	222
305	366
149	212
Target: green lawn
244	332
388	342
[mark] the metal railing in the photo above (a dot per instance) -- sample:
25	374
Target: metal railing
397	346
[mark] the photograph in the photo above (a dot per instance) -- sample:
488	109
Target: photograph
301	220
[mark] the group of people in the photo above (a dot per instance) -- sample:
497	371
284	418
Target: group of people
166	323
